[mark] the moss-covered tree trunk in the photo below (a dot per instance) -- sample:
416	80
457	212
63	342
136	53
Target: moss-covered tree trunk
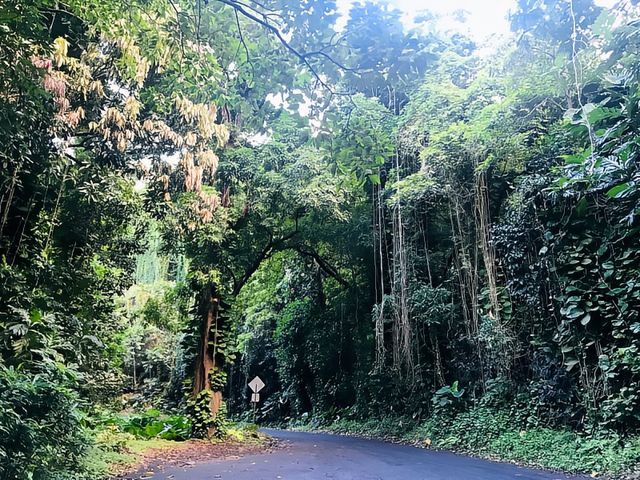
209	377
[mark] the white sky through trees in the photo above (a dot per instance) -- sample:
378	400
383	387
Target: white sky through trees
482	18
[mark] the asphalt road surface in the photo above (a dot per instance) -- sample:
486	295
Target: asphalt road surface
316	456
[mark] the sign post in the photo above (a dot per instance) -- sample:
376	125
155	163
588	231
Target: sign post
255	385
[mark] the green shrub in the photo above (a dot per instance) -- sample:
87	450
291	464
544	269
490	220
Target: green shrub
149	424
41	436
448	398
497	433
112	439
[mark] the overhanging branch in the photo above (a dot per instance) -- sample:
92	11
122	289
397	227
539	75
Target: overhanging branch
270	248
283	244
255	15
322	263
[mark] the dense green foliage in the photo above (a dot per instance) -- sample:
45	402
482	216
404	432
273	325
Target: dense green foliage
387	225
148	424
40	426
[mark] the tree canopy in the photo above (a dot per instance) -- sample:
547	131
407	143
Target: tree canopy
383	222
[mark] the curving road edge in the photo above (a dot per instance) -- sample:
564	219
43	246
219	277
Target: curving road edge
316	456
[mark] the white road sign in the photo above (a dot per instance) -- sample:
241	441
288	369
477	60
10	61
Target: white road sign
256	385
255	397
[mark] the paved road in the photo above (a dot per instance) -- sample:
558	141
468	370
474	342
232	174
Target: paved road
317	456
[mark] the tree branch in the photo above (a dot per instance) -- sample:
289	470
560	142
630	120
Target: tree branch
320	53
241	8
246	49
177	12
267	251
323	264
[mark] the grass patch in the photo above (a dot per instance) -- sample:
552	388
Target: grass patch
243	432
115	451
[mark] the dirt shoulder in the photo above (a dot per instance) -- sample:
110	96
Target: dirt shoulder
152	462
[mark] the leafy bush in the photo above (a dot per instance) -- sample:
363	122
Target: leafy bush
174	427
146	425
499	434
40	426
567	450
448	397
112	439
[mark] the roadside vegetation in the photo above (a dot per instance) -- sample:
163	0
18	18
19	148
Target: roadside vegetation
491	434
402	231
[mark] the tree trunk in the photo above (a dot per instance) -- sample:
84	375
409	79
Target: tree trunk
208	362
